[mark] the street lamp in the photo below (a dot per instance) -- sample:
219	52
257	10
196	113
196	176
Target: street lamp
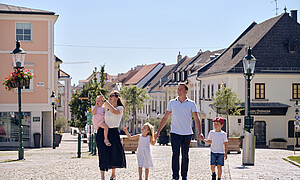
249	66
18	55
249	139
53	97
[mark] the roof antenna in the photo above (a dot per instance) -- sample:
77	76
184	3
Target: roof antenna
276	9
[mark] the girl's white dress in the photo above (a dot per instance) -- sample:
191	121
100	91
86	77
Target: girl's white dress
144	155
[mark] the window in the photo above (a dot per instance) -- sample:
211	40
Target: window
208	91
212	90
174	77
296	91
259	90
178	76
219	86
183	77
203	92
23	31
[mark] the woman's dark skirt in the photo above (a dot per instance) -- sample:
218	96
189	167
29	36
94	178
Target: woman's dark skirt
110	157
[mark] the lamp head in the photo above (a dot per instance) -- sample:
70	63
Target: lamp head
18	55
249	62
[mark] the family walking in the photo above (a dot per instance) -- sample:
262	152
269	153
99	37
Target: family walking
107	118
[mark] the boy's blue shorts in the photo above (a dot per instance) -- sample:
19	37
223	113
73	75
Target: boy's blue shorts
216	159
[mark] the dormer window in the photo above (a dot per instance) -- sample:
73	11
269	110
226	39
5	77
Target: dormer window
183	77
292	48
178	76
174	77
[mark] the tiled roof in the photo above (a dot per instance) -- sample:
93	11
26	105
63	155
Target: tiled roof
202	59
183	65
4	8
267	41
141	74
162	73
121	78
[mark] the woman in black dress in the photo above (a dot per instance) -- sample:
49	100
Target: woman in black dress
111	157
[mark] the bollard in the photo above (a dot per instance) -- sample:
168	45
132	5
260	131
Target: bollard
94	147
90	143
79	145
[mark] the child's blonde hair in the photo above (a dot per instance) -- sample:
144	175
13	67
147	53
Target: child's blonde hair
151	129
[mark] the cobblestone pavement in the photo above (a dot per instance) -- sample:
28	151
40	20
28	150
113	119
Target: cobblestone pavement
61	163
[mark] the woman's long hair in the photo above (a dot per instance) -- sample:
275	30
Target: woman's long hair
151	130
119	101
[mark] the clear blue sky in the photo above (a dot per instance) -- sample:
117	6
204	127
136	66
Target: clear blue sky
124	33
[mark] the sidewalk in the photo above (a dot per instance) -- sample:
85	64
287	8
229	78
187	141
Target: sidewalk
62	163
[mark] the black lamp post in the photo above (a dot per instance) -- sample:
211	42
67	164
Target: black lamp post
53	97
249	66
18	56
296	117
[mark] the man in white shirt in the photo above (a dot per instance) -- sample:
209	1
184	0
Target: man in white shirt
182	109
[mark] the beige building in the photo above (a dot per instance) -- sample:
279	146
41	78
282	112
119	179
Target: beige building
35	30
274	88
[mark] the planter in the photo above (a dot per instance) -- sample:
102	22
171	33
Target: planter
20	83
58	138
37	140
277	145
234	144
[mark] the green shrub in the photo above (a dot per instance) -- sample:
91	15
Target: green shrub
278	140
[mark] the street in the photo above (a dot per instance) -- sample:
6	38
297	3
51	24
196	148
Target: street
62	163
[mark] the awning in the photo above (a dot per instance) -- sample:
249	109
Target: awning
266	108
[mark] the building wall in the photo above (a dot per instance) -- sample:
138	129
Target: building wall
40	60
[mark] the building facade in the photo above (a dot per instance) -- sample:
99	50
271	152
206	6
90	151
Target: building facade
35	31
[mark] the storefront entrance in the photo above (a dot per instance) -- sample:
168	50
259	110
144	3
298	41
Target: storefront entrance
260	133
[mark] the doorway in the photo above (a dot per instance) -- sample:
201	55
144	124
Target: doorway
260	133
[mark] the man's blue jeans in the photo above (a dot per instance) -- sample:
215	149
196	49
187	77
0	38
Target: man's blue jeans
182	141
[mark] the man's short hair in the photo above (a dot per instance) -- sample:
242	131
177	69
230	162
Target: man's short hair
186	87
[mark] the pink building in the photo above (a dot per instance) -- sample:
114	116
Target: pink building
35	30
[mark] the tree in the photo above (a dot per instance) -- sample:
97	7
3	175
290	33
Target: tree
134	98
90	89
226	102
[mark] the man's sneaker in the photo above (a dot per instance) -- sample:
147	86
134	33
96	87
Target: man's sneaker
213	176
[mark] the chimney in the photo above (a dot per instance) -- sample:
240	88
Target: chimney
179	57
294	14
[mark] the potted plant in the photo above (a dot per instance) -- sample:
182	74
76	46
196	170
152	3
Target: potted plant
59	124
19	77
279	143
37	139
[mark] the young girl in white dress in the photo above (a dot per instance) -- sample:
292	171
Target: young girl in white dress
144	155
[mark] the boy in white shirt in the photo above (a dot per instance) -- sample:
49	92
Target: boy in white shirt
219	145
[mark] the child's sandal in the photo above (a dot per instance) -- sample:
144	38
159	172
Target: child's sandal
107	143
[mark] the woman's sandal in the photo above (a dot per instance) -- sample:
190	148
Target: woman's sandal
107	143
113	178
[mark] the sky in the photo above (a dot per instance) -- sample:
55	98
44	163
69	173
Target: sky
121	34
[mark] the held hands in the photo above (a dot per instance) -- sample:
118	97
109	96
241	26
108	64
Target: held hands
156	135
125	129
201	137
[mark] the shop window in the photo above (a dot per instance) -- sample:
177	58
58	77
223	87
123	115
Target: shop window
9	126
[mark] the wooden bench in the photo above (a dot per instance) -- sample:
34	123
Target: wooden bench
129	144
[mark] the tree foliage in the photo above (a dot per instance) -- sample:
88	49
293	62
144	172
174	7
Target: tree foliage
90	89
227	103
134	98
